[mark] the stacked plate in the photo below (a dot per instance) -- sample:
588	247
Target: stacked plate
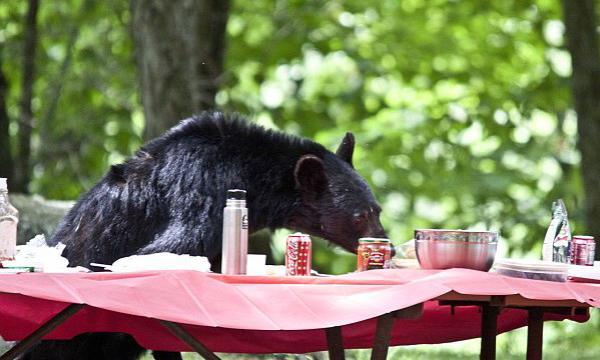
588	274
532	269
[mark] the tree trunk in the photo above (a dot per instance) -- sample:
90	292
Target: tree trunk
179	46
6	160
26	120
582	41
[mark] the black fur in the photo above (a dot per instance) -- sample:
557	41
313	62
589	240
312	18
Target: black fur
170	195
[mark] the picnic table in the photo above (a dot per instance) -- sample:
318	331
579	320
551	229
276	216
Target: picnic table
208	313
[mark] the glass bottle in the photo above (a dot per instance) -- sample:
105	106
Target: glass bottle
9	218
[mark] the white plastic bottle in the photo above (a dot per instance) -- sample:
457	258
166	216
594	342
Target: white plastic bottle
9	218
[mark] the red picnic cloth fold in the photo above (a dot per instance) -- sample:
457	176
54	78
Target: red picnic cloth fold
254	314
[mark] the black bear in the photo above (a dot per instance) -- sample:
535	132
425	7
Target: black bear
170	196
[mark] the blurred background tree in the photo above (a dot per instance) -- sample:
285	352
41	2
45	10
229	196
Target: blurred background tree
582	36
179	48
463	111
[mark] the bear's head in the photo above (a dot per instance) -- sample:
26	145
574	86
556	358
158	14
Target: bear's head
336	202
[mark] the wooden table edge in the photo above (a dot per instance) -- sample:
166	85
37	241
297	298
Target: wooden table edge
513	300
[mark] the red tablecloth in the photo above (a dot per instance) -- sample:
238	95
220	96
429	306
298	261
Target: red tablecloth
267	314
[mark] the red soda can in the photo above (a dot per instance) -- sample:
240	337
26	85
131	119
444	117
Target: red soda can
583	249
298	253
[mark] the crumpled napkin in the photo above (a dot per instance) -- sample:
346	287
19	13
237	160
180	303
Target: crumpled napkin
37	254
158	261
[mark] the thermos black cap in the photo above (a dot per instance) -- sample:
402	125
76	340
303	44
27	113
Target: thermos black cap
236	194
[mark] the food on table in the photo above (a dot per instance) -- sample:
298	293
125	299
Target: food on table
373	253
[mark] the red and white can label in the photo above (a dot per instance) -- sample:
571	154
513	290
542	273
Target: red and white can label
583	249
298	255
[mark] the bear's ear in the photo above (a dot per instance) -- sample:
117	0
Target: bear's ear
346	148
309	174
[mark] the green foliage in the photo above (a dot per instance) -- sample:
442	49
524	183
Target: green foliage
85	99
461	109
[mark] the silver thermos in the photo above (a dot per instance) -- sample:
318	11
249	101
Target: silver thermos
235	234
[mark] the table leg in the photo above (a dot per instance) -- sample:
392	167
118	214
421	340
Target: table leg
535	334
489	321
187	338
335	343
42	331
385	324
383	333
